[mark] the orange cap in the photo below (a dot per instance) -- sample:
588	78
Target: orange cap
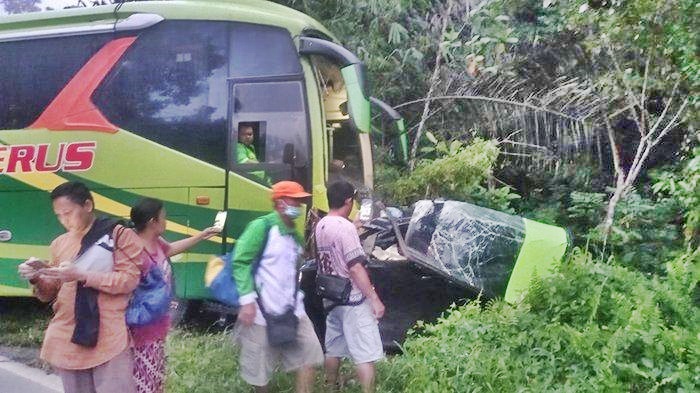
288	189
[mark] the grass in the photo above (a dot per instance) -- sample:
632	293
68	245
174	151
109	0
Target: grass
200	358
23	322
208	363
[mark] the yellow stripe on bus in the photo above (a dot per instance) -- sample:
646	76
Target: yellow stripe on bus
49	181
24	251
6	290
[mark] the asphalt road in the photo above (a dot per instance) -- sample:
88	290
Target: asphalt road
18	378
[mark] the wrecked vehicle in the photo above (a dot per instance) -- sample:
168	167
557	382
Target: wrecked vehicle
443	253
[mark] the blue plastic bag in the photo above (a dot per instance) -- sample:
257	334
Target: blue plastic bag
219	279
150	300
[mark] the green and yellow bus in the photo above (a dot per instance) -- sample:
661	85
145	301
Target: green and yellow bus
145	99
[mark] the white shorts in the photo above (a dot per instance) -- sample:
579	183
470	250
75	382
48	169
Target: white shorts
353	332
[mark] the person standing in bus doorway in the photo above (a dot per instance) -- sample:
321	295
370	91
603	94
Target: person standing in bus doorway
149	218
265	271
245	150
352	330
87	340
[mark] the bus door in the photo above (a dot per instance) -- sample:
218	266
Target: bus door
268	142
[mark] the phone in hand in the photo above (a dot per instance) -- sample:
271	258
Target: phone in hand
220	220
38	264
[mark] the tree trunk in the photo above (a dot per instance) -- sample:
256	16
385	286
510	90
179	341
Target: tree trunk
434	80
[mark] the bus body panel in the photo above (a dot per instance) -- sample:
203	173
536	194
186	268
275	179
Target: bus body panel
136	158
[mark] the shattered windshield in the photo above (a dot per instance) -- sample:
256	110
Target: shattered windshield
474	245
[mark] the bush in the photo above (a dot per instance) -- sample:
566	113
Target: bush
685	187
459	172
591	327
645	232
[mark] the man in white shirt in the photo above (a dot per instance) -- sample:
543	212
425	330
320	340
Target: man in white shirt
352	330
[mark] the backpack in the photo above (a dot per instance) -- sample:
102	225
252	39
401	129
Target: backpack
218	276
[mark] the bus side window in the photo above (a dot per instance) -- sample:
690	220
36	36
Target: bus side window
170	88
35	71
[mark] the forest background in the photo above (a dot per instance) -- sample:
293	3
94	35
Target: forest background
577	113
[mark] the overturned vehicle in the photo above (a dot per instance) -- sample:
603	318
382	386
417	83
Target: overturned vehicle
443	253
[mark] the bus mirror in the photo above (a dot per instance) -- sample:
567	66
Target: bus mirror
288	154
400	139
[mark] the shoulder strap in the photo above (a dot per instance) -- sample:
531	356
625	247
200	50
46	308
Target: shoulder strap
256	264
100	227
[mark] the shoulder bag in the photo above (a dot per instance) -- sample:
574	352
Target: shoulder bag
150	300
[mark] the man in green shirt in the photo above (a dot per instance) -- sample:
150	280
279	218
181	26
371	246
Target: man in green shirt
272	243
245	150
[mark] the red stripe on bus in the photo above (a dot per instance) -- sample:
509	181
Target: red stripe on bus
73	109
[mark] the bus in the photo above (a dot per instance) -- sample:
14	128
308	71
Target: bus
146	98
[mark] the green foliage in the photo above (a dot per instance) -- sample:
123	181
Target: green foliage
646	231
666	30
644	234
458	171
591	327
548	197
191	357
685	187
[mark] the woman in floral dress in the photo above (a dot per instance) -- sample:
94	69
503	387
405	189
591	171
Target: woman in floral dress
149	218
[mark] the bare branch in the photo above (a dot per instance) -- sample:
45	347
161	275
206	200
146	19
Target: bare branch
505	153
672	123
668	105
619	111
644	86
613	148
433	84
631	98
523	144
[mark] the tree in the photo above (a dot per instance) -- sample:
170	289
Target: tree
648	74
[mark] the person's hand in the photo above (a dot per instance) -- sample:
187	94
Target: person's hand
65	272
209	232
377	307
246	314
358	224
29	269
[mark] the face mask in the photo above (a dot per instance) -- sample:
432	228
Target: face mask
292	211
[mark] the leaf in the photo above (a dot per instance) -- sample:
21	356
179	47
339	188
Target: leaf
431	137
396	33
455	146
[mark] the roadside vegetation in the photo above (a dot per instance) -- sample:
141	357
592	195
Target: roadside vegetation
577	113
